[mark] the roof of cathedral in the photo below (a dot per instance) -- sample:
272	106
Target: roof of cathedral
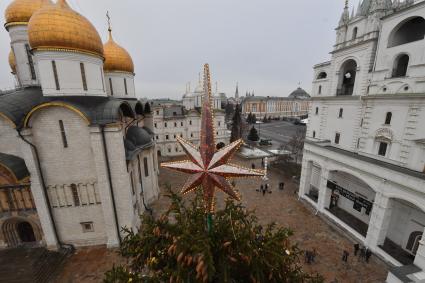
116	57
20	11
15	164
58	27
136	139
16	105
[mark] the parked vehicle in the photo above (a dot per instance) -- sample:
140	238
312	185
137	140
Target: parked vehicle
265	142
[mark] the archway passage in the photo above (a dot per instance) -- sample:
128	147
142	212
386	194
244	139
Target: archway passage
347	78
404	231
350	200
25	232
19	231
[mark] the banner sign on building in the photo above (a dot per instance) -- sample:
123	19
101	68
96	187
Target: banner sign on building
358	201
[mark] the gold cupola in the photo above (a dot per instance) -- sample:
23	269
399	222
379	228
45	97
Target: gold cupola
117	59
58	27
19	12
12	61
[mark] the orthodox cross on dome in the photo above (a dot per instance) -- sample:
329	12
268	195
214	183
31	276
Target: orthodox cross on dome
109	21
210	168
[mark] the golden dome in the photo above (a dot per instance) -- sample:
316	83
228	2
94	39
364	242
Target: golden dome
58	27
12	61
116	57
20	11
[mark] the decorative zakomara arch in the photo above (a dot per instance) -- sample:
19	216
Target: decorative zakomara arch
55	104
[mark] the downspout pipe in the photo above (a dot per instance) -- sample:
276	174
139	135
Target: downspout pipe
111	189
43	185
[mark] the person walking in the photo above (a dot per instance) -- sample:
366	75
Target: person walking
261	188
345	255
356	249
362	253
368	255
264	190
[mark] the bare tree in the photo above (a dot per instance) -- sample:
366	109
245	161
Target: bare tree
296	144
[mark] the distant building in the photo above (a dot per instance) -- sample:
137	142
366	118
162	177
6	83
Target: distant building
172	119
295	105
193	100
175	121
364	156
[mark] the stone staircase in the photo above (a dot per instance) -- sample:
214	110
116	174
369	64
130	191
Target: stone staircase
32	265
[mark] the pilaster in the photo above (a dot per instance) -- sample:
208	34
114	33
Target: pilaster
379	221
38	193
104	187
324	193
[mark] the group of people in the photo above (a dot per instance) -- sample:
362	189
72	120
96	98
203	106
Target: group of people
310	256
364	253
264	189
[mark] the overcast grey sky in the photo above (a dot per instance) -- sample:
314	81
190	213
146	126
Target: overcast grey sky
266	45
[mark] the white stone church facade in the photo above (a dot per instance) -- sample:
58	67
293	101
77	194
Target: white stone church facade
172	119
364	157
77	154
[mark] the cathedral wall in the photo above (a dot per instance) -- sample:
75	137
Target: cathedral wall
120	176
383	81
405	129
118	85
69	73
9	139
68	171
362	54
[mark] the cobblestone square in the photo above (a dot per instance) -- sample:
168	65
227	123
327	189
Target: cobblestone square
310	231
282	207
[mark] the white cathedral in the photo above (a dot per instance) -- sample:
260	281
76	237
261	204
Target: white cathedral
77	154
364	157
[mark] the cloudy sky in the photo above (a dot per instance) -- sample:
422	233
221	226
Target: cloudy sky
268	46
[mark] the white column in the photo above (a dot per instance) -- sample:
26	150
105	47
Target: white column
38	193
420	254
379	221
305	177
104	188
324	192
18	40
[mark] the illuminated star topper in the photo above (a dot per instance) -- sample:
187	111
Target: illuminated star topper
210	168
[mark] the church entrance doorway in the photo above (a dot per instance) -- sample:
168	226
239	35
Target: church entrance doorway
25	232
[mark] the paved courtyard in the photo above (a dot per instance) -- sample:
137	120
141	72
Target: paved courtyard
311	232
88	265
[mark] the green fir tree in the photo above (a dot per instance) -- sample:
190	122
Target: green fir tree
177	248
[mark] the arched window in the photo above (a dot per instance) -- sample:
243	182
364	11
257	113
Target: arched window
317	110
320	89
354	33
83	76
400	66
388	118
347	77
413	242
111	87
125	86
408	31
340	112
314	134
75	195
55	75
322	75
